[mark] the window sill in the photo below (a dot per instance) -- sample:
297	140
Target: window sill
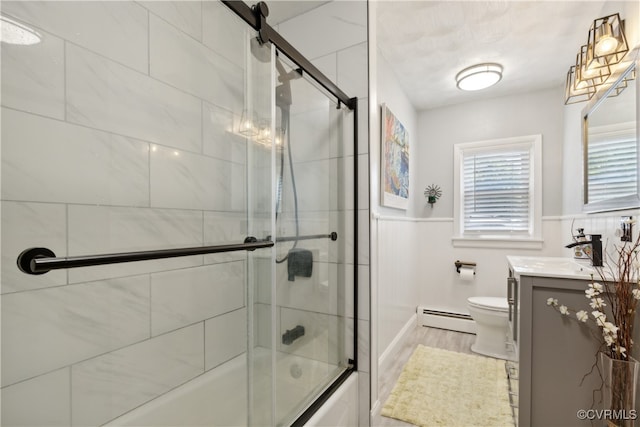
497	242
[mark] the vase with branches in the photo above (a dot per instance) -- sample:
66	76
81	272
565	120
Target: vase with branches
613	300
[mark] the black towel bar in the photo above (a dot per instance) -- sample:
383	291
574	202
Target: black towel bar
42	260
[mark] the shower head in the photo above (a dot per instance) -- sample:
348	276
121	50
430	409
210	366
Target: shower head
283	91
261	52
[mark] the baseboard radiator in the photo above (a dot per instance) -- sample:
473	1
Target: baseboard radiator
446	320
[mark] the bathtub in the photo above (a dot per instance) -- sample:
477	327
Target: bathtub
220	397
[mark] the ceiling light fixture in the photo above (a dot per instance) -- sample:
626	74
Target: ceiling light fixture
479	76
14	32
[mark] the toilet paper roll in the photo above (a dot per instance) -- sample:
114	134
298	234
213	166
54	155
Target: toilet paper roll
466	273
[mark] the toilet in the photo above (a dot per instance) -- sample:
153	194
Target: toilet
491	317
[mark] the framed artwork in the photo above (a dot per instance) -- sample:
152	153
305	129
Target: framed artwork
395	162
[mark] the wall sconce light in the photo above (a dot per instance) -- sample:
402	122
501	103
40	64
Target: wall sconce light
586	76
575	93
479	76
606	46
622	85
607	43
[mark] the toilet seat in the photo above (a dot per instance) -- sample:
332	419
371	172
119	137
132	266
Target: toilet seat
489	303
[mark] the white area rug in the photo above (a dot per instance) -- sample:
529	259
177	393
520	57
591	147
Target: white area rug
444	388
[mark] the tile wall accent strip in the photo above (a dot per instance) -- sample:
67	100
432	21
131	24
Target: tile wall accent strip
109	385
50	328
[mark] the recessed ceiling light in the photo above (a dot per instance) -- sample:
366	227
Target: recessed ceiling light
14	32
479	76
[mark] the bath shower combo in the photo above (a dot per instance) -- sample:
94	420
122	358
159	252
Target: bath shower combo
300	343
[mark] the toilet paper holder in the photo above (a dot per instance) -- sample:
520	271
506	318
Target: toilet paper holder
459	264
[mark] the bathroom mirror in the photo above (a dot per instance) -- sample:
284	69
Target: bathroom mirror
611	154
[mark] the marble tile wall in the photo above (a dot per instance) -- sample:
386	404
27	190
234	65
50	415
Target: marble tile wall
115	132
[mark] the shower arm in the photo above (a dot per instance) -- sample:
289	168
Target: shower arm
37	261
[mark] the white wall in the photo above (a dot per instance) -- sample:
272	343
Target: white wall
523	114
398	286
391	93
439	129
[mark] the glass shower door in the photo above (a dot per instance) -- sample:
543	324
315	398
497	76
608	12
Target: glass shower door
309	297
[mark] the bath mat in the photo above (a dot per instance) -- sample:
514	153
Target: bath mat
444	388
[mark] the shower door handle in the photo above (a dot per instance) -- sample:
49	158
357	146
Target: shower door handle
42	260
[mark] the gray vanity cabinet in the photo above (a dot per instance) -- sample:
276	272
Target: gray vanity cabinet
555	353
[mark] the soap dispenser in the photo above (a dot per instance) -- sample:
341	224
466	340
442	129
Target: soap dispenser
581	251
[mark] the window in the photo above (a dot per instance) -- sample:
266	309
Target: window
498	200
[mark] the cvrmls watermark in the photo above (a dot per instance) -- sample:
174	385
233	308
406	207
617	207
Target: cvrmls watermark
607	414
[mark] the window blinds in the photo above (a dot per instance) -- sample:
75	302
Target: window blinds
612	168
496	190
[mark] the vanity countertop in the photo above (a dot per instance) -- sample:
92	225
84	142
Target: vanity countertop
561	267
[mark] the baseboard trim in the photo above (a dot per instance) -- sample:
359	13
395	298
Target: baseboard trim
386	358
450	323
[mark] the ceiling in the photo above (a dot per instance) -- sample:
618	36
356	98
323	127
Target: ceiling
427	43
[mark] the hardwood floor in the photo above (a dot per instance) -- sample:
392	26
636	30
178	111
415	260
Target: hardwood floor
431	337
